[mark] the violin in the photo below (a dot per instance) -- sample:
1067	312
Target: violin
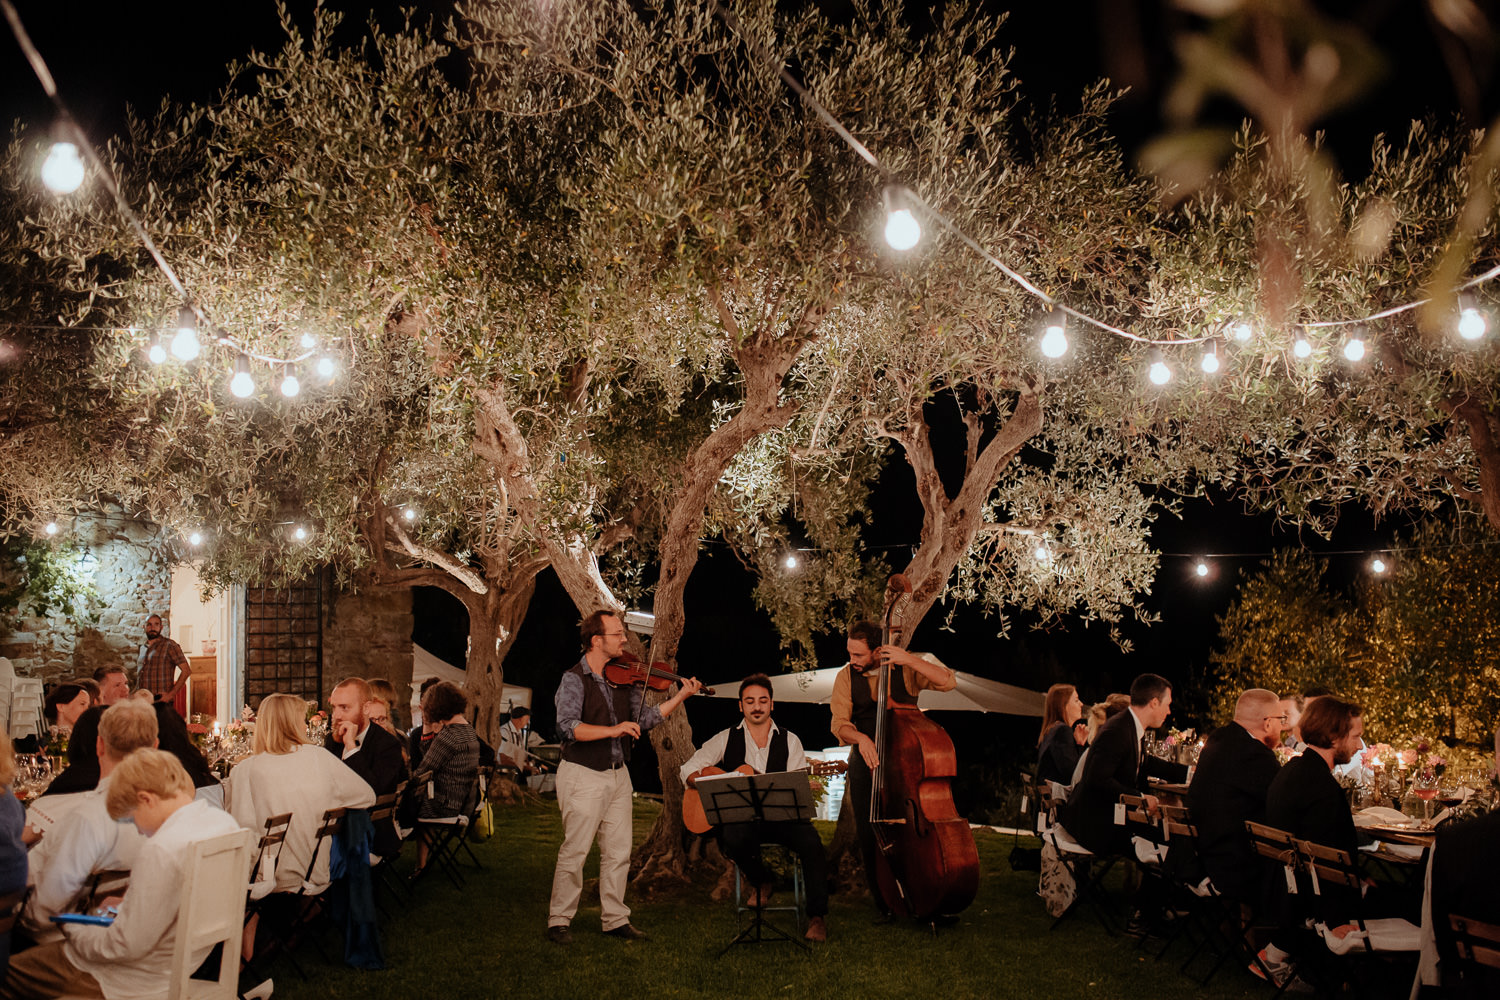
627	669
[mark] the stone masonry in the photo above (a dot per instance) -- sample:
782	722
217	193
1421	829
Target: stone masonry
367	634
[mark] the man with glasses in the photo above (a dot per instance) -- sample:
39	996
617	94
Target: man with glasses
598	724
1229	787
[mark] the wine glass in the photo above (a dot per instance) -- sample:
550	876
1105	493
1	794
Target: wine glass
1425	787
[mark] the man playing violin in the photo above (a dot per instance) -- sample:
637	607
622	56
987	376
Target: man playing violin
767	748
855	713
598	722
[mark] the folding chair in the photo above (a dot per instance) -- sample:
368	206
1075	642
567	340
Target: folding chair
1279	848
1386	938
445	835
1088	869
1478	946
262	882
1207	910
384	871
309	895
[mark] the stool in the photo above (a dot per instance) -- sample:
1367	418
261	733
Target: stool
754	931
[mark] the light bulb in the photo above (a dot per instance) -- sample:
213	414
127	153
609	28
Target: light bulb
1243	332
901	229
309	341
325	367
1201	569
242	384
1354	349
790	562
1378	565
300	534
1054	342
410	514
1041	554
185	344
195	538
157	353
1160	373
1210	362
290	386
51	528
1302	348
62	171
1471	324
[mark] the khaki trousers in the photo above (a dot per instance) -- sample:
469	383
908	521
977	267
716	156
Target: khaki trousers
594	803
44	972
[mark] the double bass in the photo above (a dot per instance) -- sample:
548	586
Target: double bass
926	864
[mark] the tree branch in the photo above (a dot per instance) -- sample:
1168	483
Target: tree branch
442	560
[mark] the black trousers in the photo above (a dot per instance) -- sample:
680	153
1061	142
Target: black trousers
741	841
857	784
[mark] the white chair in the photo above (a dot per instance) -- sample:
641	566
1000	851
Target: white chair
26	697
211	912
7	676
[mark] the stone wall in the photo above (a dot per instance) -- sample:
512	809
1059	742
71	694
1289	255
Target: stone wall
131	578
367	634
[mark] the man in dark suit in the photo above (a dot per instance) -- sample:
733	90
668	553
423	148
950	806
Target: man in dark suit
1306	801
1118	764
1466	883
1234	773
368	750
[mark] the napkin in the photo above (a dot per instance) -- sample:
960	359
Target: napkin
1380	816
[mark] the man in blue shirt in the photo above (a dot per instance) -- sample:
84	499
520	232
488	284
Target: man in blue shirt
598	722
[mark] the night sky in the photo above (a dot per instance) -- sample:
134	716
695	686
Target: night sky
110	55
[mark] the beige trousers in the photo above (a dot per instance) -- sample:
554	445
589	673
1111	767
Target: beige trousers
594	803
44	972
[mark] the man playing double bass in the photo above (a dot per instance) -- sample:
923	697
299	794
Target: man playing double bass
854	717
767	748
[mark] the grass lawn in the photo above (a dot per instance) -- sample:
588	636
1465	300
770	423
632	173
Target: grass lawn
487	941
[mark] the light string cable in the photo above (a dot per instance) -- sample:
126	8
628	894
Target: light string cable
75	134
736	26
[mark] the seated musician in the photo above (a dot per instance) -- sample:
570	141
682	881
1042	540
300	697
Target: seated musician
767	748
854	717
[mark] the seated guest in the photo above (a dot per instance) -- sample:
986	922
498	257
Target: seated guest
64	704
82	772
132	957
12	847
86	839
1306	801
1466	883
1291	707
386	691
767	748
1229	787
1118	765
173	737
421	733
287	774
371	752
1057	746
516	741
1353	767
452	757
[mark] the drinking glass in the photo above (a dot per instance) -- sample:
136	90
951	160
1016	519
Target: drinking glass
1425	787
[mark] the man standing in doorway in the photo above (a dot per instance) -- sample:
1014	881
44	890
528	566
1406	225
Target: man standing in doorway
164	669
598	723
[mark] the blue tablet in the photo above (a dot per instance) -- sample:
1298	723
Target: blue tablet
100	920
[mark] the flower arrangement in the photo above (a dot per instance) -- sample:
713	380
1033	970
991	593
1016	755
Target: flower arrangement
1176	737
1285	753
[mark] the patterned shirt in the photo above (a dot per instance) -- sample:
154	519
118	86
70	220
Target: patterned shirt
159	665
570	708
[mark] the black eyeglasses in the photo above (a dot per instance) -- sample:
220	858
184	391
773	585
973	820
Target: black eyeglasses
1283	718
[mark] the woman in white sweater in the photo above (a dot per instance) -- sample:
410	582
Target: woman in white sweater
287	774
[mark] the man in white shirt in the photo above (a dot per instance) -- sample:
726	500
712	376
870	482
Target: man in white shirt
86	839
516	739
131	959
766	748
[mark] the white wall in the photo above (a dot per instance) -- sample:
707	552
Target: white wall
192	620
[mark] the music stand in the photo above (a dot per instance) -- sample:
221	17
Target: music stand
780	796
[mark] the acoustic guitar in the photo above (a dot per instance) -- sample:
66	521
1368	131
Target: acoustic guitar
696	819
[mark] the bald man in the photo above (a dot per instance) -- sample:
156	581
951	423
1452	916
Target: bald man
1234	772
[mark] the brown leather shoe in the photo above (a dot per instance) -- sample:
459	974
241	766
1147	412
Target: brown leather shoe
817	929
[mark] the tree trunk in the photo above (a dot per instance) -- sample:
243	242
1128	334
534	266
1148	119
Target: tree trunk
494	618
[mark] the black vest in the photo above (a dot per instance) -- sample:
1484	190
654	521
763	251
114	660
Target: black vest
862	713
595	754
734	751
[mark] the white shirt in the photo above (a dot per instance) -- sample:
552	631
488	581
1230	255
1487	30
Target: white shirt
306	783
510	743
359	741
85	840
757	757
132	958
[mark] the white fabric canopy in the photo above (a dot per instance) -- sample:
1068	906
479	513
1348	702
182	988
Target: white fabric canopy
973	694
425	665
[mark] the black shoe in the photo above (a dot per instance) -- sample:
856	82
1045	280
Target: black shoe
1138	926
628	932
560	934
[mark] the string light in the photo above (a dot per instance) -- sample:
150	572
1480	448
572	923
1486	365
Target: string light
309	341
410	513
902	231
300	533
242	384
1471	322
195	539
1055	339
51	528
156	353
1354	349
1210	362
326	367
790	562
1041	553
1378	565
185	343
1302	348
62	170
290	386
1242	332
1160	374
1201	569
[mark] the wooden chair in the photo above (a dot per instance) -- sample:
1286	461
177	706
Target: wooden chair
1330	868
1088	869
309	893
209	916
1478	947
1278	847
384	871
